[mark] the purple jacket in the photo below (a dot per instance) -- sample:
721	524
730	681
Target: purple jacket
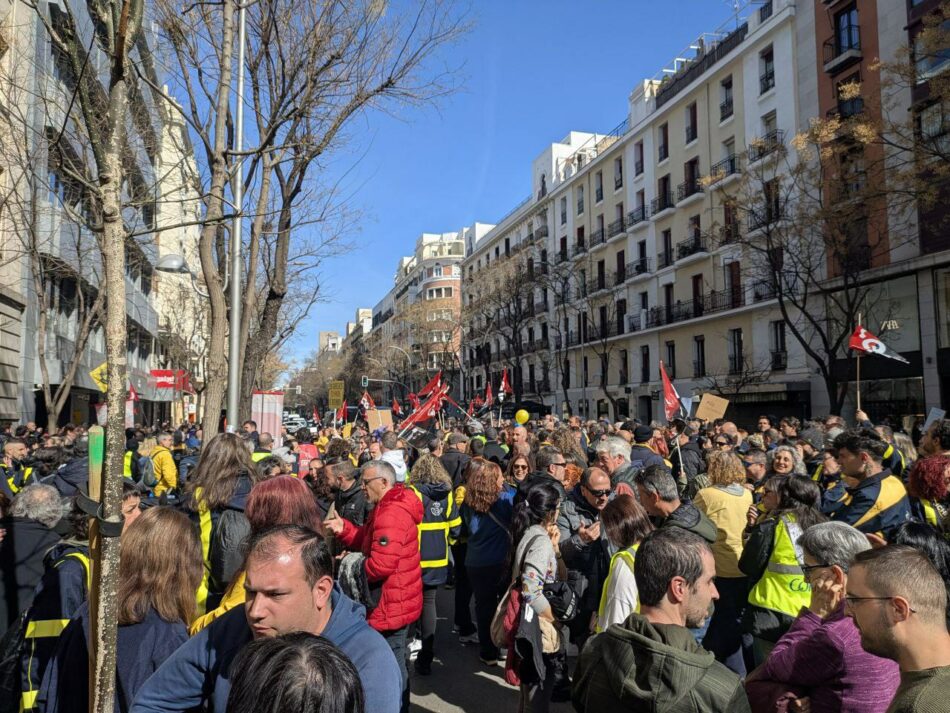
825	657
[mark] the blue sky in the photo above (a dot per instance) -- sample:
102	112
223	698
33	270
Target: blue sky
530	72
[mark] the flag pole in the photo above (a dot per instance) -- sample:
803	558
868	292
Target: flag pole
858	382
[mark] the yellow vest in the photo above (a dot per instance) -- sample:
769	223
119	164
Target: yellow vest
622	558
204	529
259	456
930	512
782	587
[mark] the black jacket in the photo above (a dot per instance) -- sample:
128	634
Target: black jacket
22	552
351	504
689	517
71	477
455	462
496	454
692	457
538	477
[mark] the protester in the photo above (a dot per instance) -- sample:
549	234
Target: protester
726	503
295	672
15	473
165	472
535	561
263	447
441	526
898	602
290	588
820	658
643	453
927	488
785	460
486	517
613	457
651	659
389	540
551	469
936	439
28	534
155	602
493	450
392	454
454	458
215	497
519	468
875	500
625	523
349	498
932	543
770	561
657	492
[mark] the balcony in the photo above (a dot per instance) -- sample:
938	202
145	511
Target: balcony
638	168
541	306
684	310
842	50
691	246
541	232
722	300
541	268
728	234
642	266
620	276
735	364
688	188
765	145
763	290
665	257
604	331
699	368
563	256
663	152
597	237
725	109
600	282
779	360
729	166
766	81
615	228
765	215
636	216
579	249
846	108
633	323
598	194
662	202
618	182
765	12
691	133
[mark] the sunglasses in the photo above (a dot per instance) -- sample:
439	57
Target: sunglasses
598	493
518	466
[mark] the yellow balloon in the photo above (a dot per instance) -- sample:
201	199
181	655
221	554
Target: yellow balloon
522	416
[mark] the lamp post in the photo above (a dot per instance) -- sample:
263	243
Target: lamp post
237	192
408	359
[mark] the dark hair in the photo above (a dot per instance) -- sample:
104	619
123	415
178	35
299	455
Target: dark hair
264	465
540	501
314	552
343	468
800	496
546	456
389	441
940	432
476	448
664	554
253	423
297	672
659	480
862	440
625	521
927	539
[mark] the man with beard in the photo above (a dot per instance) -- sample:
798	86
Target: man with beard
349	498
651	661
898	602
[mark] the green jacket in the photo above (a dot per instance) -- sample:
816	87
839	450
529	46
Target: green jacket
639	666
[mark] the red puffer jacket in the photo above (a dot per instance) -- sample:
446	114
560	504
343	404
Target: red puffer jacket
390	541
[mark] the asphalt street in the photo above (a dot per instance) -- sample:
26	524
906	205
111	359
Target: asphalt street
459	681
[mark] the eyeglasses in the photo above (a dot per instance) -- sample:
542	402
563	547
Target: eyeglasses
721	444
598	493
561	464
851	601
808	568
366	481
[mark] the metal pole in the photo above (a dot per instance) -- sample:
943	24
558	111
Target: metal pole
237	192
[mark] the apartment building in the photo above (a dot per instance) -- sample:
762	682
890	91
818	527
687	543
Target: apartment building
631	233
415	327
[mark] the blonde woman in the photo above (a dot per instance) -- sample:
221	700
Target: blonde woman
726	502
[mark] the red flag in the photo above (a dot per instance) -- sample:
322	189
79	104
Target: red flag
863	341
505	387
433	384
397	409
479	401
671	399
471	408
366	401
133	394
489	400
316	416
428	410
341	412
414	401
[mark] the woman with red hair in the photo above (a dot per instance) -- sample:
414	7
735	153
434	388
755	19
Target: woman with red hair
284	500
927	485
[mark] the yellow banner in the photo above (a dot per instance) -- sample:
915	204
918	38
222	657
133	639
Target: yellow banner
100	377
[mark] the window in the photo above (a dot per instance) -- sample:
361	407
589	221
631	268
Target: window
931	60
664	194
725	98
671	359
580	200
691	120
586	373
853	173
777	344
638	158
623	367
618	173
644	301
563	210
699	356
934	128
437	293
666	248
566	374
663	142
598	187
735	351
847	35
766	70
604	363
644	364
769	124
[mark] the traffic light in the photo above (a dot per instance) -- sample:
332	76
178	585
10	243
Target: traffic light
365	381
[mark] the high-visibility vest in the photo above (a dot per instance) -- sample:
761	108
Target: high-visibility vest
17	478
204	531
930	512
434	537
622	558
127	465
259	455
42	633
782	587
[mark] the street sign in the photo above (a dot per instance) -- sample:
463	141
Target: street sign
336	394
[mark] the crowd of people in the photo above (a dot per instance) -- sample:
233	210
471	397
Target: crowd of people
621	566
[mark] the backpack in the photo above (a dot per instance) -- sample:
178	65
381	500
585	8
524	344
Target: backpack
147	470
